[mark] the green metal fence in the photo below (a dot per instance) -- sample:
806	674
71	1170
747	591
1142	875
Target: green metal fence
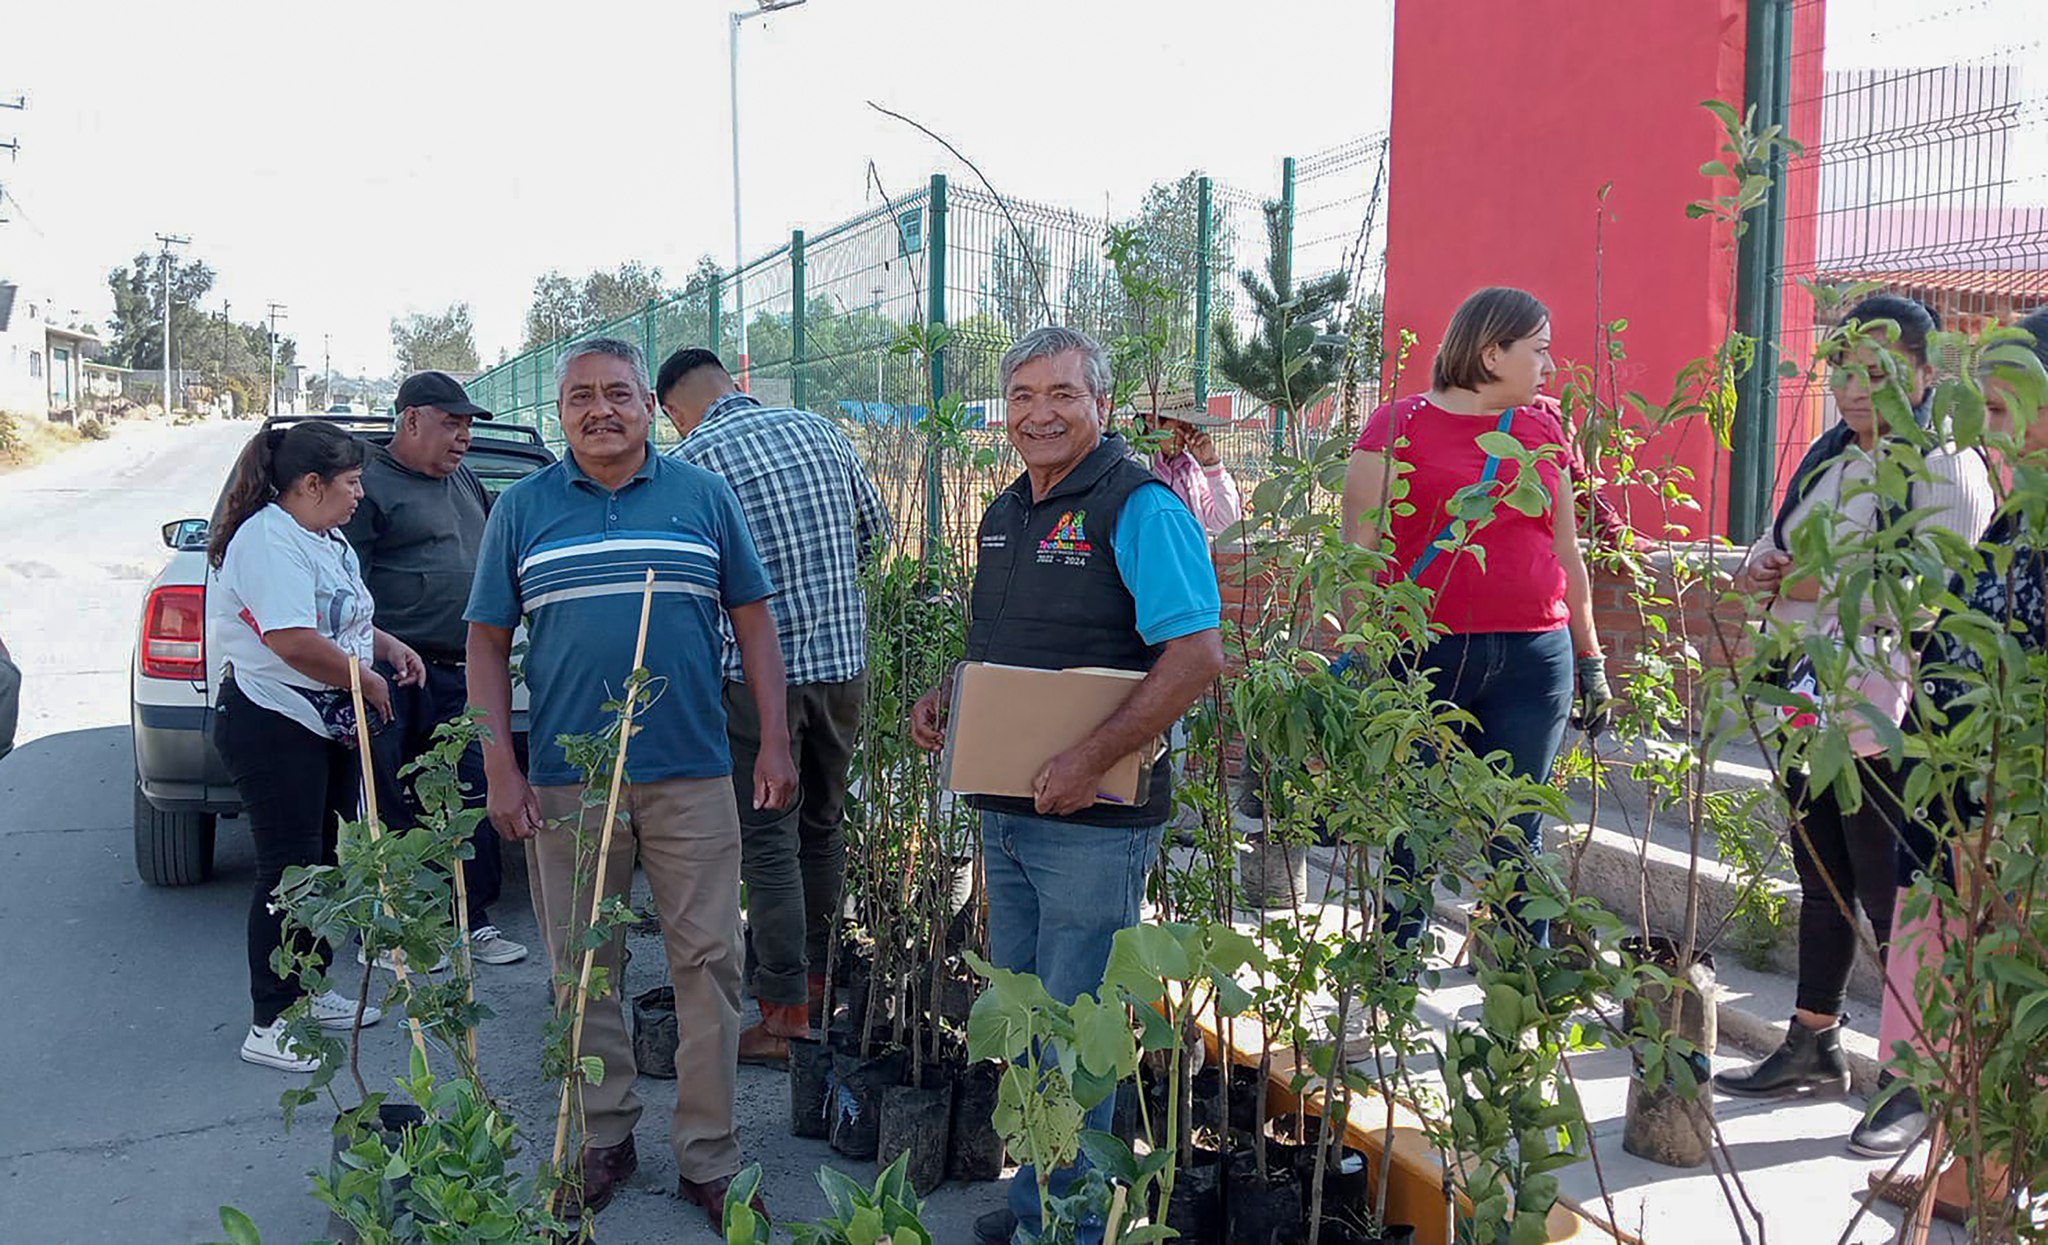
823	310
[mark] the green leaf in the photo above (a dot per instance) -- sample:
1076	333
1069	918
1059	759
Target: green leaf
1542	908
591	1069
1155	1031
240	1228
1102	1034
1110	1155
1139	957
1502	1011
1231	998
1530	1229
1500	444
841	1193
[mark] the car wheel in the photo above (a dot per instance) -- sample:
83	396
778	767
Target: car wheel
172	849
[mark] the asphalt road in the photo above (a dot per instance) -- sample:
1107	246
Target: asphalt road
125	1115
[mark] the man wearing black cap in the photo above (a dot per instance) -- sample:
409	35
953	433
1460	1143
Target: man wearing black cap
416	534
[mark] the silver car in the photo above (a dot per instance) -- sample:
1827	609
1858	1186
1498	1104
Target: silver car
181	785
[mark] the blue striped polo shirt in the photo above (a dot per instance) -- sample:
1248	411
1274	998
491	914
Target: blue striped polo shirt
568	557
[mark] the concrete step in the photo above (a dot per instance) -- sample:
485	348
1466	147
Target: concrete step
1628	799
1621	870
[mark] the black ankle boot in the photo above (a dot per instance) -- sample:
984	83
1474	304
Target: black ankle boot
1893	1128
1809	1062
995	1228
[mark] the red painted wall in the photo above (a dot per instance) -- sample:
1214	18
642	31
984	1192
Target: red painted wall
1508	117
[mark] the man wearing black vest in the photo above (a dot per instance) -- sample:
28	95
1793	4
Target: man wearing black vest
1088	559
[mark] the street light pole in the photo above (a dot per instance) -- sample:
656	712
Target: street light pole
276	310
739	255
166	241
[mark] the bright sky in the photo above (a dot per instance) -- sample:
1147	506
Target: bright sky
359	161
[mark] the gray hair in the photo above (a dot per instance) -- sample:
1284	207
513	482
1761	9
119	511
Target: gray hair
1044	343
613	347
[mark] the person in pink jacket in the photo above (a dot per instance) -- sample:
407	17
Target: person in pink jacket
1191	465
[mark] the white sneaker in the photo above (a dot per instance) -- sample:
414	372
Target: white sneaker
488	946
336	1011
388	961
266	1046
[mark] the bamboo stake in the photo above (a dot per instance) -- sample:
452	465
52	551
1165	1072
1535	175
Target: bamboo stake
604	846
368	766
468	961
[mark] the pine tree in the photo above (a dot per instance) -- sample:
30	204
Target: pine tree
1286	363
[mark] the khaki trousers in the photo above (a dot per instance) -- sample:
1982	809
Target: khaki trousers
686	833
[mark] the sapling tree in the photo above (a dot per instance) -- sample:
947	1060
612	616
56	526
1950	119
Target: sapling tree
1975	763
1293	358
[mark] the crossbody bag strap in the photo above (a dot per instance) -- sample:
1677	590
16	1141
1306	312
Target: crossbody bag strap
1486	476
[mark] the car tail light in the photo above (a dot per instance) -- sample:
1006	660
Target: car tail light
174	633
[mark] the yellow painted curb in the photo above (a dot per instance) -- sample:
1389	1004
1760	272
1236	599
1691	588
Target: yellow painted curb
1415	1184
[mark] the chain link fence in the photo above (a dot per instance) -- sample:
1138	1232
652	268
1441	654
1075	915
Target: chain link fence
824	313
1925	172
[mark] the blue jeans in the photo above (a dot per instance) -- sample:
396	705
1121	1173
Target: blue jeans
1518	685
1057	895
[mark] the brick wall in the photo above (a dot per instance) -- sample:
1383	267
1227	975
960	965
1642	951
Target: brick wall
1624	631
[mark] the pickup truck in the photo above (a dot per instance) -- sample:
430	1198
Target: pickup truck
181	784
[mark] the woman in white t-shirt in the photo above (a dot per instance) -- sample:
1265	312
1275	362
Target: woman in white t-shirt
285	610
1849	856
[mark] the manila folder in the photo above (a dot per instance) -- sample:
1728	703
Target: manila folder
1006	722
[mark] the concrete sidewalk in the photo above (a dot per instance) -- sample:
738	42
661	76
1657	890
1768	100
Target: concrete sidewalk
1789	1159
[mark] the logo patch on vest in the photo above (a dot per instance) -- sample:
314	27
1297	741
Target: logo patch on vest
1067	545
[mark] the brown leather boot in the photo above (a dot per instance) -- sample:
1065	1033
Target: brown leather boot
604	1169
768	1042
711	1197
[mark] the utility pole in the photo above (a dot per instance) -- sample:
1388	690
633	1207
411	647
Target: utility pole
166	241
225	305
276	310
10	145
739	255
19	104
327	366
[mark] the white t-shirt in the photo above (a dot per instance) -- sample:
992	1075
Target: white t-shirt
1957	491
277	575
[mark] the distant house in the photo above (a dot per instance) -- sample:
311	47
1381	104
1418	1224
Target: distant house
103	382
42	362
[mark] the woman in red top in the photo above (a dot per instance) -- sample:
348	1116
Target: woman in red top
1516	628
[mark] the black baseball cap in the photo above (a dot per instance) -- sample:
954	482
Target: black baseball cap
436	389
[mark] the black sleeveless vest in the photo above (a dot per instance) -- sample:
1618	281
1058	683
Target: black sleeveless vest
1047	594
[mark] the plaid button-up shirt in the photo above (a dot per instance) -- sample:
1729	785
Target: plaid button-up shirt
816	519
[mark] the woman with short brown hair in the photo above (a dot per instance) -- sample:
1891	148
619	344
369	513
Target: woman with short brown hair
1515	645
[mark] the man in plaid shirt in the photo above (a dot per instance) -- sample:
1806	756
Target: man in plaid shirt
817	520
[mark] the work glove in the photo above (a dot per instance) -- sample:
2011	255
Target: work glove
1593	703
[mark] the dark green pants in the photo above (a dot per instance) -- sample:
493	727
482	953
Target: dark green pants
793	860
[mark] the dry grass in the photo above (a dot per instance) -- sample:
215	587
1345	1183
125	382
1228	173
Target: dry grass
26	440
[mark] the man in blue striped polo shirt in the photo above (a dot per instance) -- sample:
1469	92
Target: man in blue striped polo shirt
567	551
